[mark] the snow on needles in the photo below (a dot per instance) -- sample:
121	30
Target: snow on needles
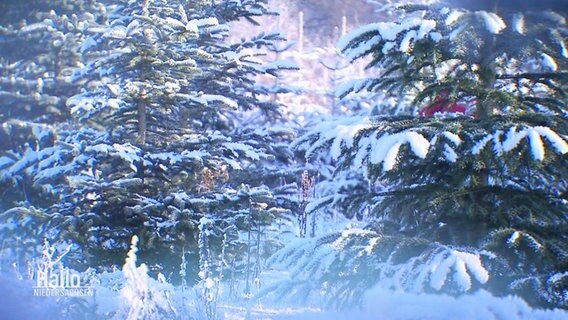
493	22
386	148
359	141
535	142
460	262
344	134
360	41
378	148
453	17
519	23
548	62
534	135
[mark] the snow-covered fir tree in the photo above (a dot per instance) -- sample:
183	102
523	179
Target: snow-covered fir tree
169	118
37	57
148	134
467	184
38	53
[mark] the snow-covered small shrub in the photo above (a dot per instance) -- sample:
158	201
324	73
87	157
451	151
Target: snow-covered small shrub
143	297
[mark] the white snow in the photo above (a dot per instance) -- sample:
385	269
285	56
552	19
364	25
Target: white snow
555	16
436	36
563	49
204	22
455	33
417	28
233	164
118	32
127	152
418	144
460	276
282	64
140	295
493	22
4	161
114	103
220	99
497	146
39	26
388	46
53	156
425	28
454	138
514	238
100	148
313	205
558	277
381	303
536	146
453	17
346	40
480	145
176	24
390	158
513	138
247	150
354	85
29	157
79	104
474	266
362	48
445	68
407	40
450	153
372	243
458	261
378	150
365	144
390	31
548	62
208	283
88	44
385	148
348	232
557	142
519	23
343	133
440	269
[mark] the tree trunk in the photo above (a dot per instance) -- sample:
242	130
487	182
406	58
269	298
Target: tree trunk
485	107
141	123
487	77
487	73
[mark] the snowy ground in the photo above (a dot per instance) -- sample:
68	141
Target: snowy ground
119	293
390	305
18	302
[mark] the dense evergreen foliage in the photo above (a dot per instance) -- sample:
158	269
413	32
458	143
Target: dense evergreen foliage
457	201
168	120
147	125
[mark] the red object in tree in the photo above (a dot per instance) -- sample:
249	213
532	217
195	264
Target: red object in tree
442	104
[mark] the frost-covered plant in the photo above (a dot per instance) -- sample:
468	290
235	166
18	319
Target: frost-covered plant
306	191
50	259
209	280
142	296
